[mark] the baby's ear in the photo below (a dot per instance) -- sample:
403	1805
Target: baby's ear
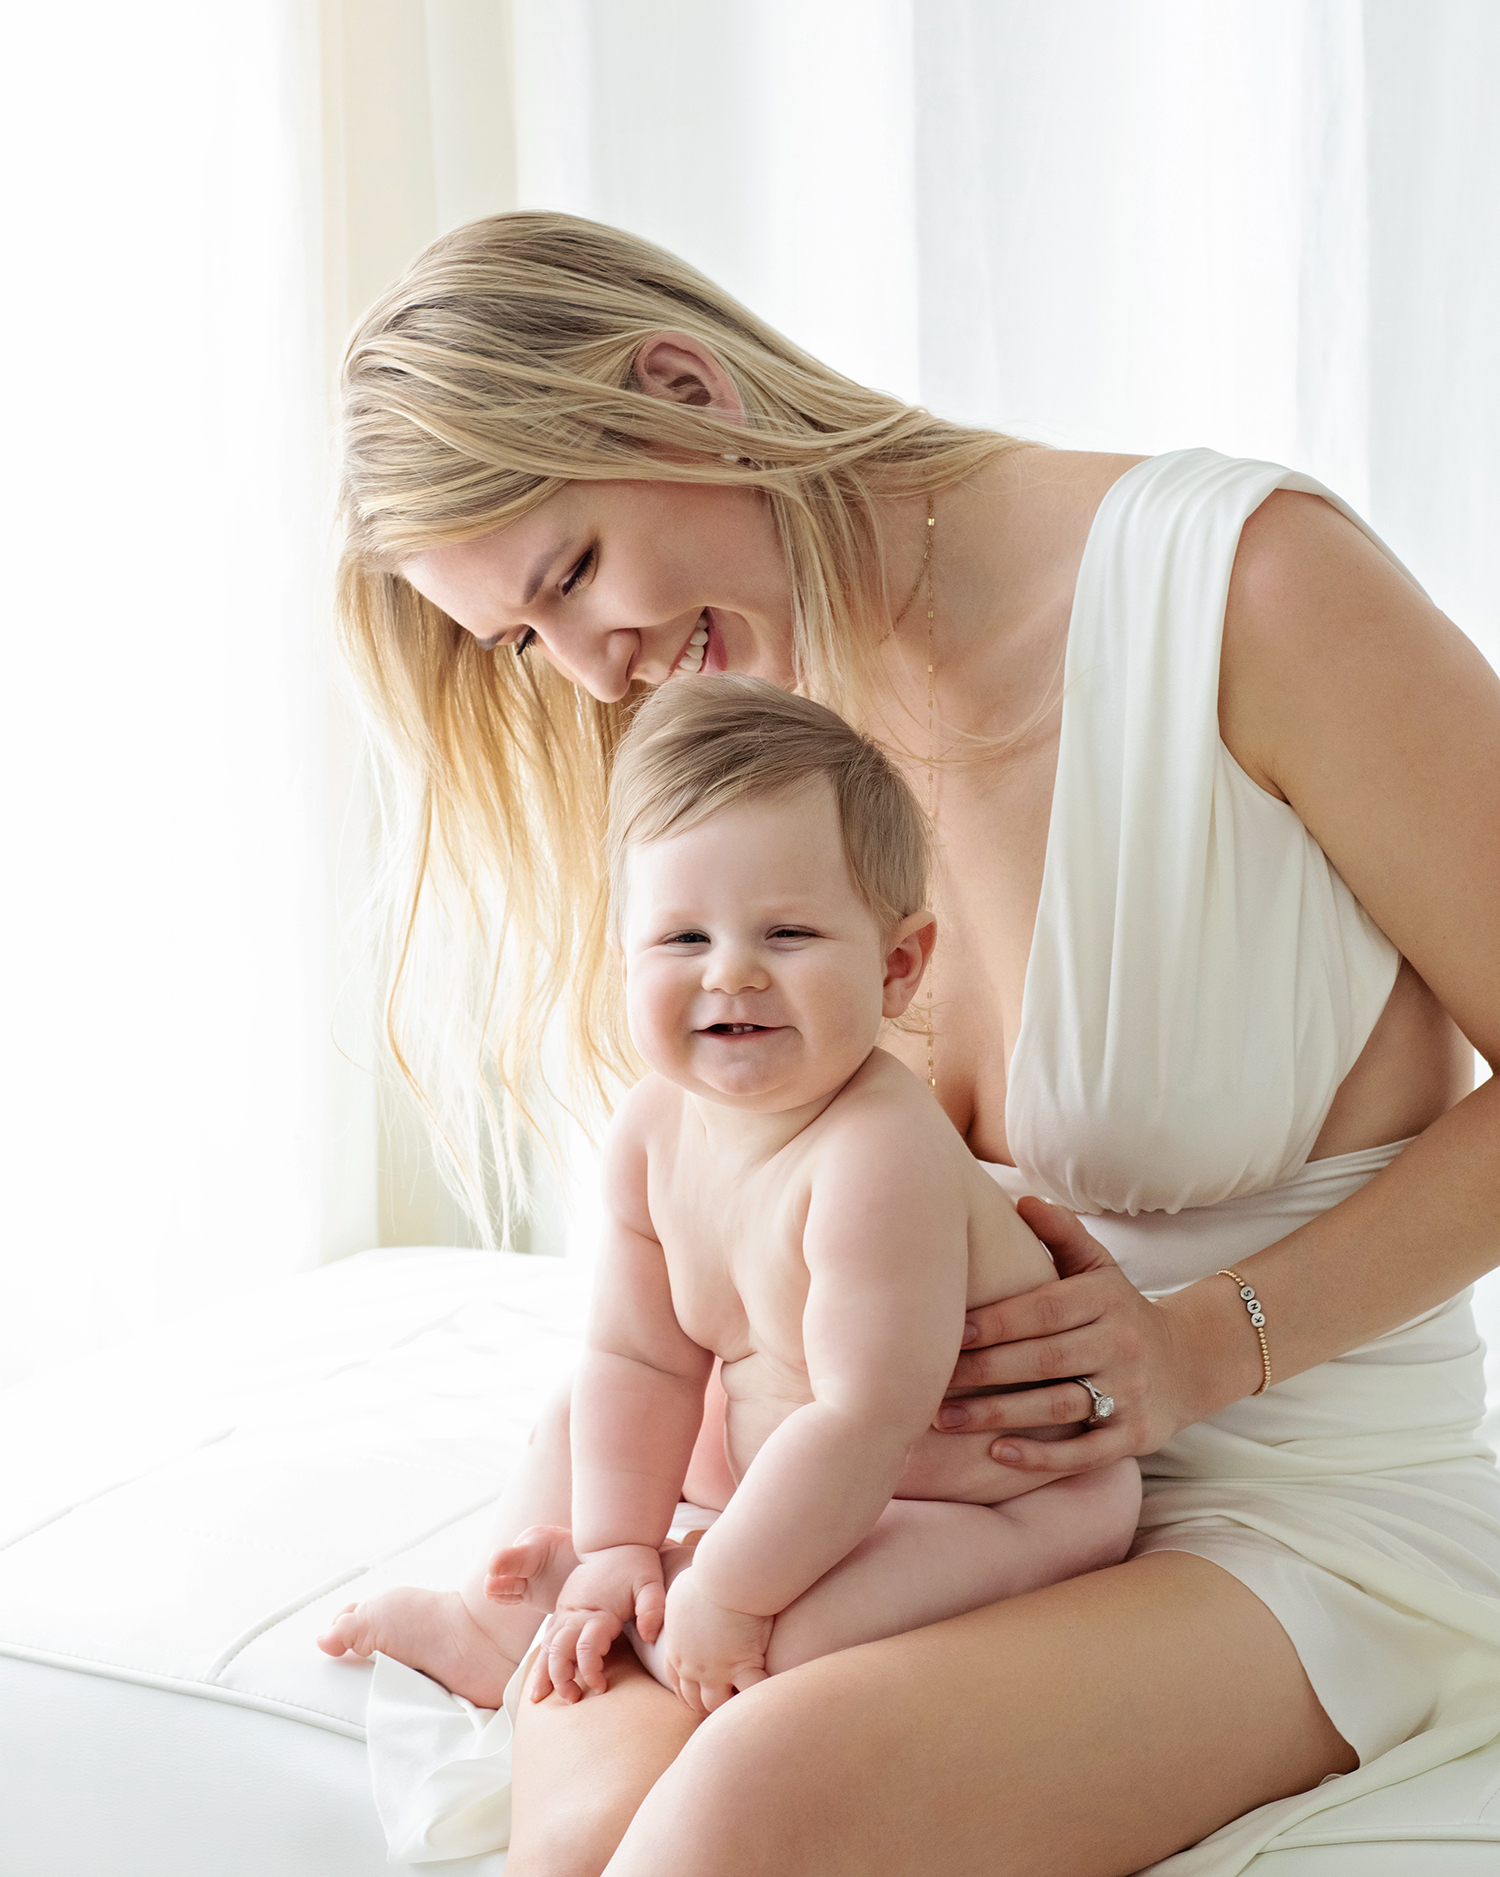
906	954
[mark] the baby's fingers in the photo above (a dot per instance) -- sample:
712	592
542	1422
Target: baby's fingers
562	1659
595	1640
650	1608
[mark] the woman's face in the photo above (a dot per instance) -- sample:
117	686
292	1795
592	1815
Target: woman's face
621	582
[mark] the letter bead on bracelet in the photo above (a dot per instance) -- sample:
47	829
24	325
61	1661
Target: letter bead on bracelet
1258	1319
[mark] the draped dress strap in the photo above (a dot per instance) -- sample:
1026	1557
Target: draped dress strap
1200	979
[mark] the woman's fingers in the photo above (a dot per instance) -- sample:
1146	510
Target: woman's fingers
1073	1247
1037	1359
1063	1406
1061	1457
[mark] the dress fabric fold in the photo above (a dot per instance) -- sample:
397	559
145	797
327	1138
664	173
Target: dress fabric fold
1201	980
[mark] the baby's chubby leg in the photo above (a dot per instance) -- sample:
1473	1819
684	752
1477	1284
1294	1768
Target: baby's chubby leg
468	1639
929	1559
472	1639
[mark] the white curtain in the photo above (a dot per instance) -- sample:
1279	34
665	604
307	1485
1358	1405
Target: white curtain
168	1077
1269	226
1272	226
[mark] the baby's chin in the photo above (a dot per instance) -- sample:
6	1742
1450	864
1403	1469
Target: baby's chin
764	1088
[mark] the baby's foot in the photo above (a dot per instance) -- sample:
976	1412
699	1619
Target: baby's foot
534	1569
428	1630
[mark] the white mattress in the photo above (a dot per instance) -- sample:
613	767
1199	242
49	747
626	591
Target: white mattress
178	1520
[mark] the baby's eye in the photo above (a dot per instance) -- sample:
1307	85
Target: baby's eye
686	938
793	932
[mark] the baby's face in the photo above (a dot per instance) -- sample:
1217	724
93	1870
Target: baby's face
755	975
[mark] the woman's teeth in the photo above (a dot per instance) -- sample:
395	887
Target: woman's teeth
693	651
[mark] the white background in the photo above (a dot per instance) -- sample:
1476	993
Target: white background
1270	226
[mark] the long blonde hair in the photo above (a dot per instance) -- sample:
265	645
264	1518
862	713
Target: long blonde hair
498	368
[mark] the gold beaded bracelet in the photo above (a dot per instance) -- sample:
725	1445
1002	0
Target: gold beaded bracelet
1258	1319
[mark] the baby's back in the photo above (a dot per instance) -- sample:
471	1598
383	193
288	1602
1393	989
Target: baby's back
736	1245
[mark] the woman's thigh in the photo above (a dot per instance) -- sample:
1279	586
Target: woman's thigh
1087	1729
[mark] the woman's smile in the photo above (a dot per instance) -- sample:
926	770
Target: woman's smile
640	582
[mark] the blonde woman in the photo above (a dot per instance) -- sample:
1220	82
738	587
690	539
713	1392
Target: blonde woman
1218	802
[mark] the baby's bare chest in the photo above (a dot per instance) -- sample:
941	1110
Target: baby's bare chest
735	1263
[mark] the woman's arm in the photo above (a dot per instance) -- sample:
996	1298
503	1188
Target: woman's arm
1347	694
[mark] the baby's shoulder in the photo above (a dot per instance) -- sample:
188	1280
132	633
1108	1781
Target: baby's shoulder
647	1116
884	1126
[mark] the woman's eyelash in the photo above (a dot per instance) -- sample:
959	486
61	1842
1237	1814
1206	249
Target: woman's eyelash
578	572
519	645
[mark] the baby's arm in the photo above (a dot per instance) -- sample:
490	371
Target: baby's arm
637	1407
885	1246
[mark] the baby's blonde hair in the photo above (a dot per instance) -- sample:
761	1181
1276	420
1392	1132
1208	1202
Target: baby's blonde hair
699	745
500	367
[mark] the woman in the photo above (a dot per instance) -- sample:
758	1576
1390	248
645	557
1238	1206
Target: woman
1215	927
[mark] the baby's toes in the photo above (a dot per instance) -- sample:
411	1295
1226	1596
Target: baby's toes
532	1569
346	1634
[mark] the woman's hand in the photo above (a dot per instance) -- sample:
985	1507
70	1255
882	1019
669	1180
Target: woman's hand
1092	1322
712	1652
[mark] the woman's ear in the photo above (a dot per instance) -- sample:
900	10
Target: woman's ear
906	955
676	366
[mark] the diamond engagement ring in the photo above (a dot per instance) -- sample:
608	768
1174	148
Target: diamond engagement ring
1104	1405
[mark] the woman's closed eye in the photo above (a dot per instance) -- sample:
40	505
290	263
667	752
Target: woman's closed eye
526	638
581	567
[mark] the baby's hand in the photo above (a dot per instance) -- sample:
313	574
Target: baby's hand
711	1653
609	1589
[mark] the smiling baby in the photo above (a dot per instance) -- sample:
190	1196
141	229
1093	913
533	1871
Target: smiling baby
783	1195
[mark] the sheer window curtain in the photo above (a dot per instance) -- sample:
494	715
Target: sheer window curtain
1272	226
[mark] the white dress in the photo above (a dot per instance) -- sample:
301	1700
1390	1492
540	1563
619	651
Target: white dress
1200	983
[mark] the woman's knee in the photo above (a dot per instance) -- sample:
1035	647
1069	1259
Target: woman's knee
739	1796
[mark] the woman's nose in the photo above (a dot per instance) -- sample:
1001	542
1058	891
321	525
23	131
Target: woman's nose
597	660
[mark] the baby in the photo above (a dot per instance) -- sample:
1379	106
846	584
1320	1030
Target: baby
785	1196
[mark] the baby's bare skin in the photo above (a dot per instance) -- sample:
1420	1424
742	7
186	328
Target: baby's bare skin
739	1280
785	1196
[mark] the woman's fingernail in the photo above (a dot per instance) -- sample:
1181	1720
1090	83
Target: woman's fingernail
1006	1452
971	1334
953	1417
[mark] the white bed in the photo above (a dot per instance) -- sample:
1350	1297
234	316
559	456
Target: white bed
178	1519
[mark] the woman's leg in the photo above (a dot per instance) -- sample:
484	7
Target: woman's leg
1086	1729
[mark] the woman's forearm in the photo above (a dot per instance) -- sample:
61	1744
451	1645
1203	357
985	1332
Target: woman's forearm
1419	1231
812	1492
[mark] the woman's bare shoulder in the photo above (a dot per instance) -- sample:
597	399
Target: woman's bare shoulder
1345	692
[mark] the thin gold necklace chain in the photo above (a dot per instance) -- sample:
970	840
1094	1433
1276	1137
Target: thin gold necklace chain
926	576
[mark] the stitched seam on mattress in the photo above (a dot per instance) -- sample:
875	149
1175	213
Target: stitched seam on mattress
227	1433
206	1691
242	1643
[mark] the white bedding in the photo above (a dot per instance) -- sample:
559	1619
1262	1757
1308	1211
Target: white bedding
178	1520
